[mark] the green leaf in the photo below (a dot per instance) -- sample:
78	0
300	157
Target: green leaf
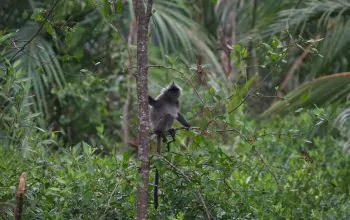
61	181
49	28
119	6
5	37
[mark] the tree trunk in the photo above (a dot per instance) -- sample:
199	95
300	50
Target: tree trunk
143	17
227	34
20	196
252	61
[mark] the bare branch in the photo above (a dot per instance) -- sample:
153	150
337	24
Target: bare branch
243	100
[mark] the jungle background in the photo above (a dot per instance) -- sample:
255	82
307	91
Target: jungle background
265	88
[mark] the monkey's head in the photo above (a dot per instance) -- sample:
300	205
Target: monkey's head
173	91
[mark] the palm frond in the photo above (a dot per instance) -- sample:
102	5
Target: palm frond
335	49
331	88
39	61
320	11
177	31
342	123
327	18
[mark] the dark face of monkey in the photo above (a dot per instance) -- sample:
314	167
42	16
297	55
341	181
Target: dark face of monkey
173	92
174	89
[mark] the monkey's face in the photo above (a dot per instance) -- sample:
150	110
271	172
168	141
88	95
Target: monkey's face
174	90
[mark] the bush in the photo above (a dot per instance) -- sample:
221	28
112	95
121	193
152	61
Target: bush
268	175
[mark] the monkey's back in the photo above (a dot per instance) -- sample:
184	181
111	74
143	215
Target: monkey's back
162	118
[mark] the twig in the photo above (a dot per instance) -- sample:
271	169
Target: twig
297	63
176	70
259	95
189	180
37	32
254	149
14	44
268	166
243	100
183	74
235	130
186	128
205	206
110	197
229	187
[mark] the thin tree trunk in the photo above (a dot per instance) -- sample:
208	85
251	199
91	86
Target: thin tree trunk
199	13
131	41
201	77
20	196
227	35
143	17
126	112
253	62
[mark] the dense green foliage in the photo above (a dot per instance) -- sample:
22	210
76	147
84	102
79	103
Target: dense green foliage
68	109
285	168
277	174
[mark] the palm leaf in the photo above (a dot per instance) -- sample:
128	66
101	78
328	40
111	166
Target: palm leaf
175	31
329	18
325	89
320	11
38	59
335	48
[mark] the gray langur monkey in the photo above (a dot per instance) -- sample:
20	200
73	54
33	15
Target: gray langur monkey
164	110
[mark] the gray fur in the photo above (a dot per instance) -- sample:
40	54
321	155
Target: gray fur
165	109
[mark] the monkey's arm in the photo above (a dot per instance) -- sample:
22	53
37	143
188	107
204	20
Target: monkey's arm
182	120
152	102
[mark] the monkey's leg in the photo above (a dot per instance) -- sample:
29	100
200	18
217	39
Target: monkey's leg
172	133
162	136
165	140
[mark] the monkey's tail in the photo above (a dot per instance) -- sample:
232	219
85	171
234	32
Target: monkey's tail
155	193
156	176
